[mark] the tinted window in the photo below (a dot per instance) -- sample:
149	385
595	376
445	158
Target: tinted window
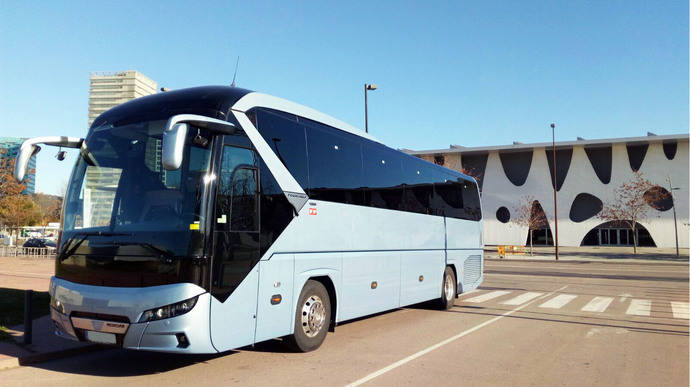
382	176
418	177
470	199
285	135
236	201
276	211
448	198
335	165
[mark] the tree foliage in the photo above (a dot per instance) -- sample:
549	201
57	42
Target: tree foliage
629	205
8	184
19	210
50	207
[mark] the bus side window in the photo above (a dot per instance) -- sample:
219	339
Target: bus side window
470	197
335	166
382	177
419	188
286	137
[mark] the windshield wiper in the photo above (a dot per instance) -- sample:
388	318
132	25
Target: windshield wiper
167	255
66	253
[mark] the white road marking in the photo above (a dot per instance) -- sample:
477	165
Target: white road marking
672	270
488	296
559	301
442	343
598	304
639	307
467	293
521	299
680	309
624	297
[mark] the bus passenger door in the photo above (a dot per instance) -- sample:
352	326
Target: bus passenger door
235	249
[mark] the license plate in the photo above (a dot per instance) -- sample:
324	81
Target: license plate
101	337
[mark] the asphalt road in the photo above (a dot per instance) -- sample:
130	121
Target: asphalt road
531	323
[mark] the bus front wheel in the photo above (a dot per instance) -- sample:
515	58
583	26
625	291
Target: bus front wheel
449	288
312	317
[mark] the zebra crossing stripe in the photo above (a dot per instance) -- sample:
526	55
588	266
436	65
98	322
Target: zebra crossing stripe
521	299
598	304
680	309
558	301
487	296
639	307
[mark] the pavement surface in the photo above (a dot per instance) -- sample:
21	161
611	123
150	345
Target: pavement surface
531	323
26	273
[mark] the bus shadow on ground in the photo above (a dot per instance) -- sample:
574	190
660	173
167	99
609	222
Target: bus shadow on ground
121	362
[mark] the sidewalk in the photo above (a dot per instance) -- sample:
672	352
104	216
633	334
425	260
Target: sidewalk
45	345
33	273
595	253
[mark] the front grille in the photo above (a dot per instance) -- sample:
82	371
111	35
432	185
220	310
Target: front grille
472	269
101	316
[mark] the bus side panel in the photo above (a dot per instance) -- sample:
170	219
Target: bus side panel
463	234
371	283
233	321
311	265
469	265
421	275
275	279
465	252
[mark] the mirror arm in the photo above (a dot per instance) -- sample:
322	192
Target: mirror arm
175	133
30	147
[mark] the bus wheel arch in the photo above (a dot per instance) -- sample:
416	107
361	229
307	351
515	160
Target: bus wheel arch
327	282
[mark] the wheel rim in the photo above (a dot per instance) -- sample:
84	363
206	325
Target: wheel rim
449	287
313	316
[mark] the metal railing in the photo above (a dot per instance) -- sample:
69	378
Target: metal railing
15	251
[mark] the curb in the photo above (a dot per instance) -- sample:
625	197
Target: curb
628	261
47	356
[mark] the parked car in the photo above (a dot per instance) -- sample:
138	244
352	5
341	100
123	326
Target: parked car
39	242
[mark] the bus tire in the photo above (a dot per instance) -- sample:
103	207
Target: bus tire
449	288
312	318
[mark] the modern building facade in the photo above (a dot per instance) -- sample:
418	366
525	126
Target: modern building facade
9	146
108	89
587	174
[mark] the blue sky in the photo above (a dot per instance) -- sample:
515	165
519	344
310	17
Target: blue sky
469	73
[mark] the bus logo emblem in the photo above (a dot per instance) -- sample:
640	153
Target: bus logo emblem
312	211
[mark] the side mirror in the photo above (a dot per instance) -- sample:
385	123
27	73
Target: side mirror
173	146
30	147
175	134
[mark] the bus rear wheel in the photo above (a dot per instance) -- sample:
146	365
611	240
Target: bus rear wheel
312	317
449	288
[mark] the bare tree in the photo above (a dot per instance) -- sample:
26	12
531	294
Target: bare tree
530	214
631	203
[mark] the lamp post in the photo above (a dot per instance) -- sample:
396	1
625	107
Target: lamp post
367	86
555	191
673	204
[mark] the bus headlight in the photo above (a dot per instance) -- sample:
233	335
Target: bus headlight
168	311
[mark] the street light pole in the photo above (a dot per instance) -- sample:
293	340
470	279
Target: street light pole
673	204
555	191
366	109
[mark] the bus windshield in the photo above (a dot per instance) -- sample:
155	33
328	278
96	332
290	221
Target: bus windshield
119	185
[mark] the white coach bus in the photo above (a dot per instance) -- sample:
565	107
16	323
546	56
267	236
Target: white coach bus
210	218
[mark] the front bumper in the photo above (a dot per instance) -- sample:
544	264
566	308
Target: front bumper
115	312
